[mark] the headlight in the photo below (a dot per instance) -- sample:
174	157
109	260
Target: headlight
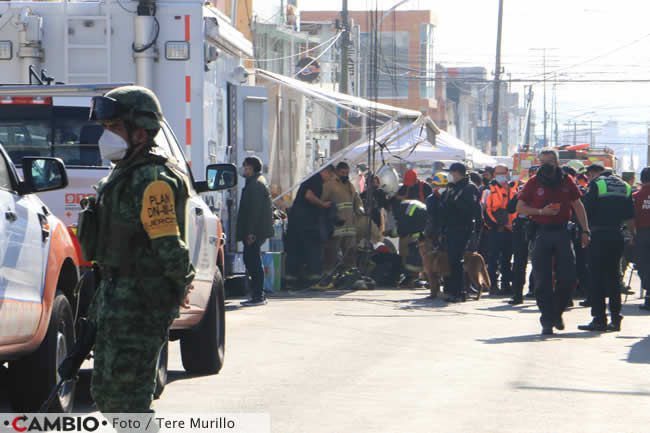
5	50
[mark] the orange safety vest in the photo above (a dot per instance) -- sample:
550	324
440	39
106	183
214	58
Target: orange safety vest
497	202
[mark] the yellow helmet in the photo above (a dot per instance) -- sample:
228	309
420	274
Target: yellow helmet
440	179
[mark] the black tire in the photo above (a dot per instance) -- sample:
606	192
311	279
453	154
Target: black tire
203	348
161	375
34	376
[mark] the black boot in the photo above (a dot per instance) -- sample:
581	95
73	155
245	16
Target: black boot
595	325
615	325
516	300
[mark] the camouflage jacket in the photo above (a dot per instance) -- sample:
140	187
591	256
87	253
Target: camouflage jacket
141	213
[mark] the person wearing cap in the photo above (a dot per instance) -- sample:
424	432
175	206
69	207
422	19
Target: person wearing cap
461	214
642	238
499	230
413	188
144	262
609	205
549	198
434	205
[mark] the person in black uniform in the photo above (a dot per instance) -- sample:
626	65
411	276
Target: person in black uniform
303	231
520	244
461	213
609	204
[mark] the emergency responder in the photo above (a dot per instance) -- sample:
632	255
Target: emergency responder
413	188
520	245
461	212
303	231
484	192
499	230
434	207
348	207
608	204
549	197
145	264
642	239
254	225
411	220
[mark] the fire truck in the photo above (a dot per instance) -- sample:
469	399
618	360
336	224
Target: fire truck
523	160
187	52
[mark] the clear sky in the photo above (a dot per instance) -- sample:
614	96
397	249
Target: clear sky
586	39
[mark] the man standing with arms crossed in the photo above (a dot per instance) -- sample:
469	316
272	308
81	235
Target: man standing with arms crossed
549	197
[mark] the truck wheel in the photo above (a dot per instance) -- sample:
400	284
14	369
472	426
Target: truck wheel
203	348
34	376
161	375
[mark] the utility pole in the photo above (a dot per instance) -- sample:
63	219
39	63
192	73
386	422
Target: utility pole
555	109
497	84
545	114
575	132
344	135
591	132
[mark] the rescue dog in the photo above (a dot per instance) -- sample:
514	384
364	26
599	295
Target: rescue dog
436	266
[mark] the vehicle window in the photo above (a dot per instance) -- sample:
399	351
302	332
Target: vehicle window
161	141
62	132
173	144
5	177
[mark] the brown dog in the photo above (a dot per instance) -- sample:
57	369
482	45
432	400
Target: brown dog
436	266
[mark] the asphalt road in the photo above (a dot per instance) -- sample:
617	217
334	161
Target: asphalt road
394	361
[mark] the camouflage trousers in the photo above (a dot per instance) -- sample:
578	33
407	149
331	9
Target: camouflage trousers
130	334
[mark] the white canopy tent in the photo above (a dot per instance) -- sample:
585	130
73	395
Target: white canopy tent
478	158
406	143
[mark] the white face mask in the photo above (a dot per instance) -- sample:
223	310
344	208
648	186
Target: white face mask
112	146
242	171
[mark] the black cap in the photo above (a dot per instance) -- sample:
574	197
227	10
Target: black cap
458	167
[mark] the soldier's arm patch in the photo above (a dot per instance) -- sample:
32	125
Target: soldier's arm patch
158	213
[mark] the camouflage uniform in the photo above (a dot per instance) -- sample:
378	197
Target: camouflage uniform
146	269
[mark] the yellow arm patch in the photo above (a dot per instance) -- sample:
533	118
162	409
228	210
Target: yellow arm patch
158	214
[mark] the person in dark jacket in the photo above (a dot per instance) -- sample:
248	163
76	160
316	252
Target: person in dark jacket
254	225
461	214
304	234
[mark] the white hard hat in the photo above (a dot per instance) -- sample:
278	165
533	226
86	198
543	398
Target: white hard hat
388	179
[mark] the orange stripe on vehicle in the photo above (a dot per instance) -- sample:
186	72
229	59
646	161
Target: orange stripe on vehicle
188	88
187	28
188	132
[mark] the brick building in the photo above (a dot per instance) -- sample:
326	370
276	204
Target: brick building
406	73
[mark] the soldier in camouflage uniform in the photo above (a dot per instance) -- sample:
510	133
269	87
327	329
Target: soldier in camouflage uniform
144	263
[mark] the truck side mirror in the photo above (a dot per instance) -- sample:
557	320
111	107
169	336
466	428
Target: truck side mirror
218	178
43	174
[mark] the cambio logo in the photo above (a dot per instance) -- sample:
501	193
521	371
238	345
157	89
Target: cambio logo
55	423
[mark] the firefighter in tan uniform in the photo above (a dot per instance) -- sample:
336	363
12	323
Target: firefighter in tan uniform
349	207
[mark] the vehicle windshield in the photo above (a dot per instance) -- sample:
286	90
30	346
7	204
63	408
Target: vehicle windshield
46	130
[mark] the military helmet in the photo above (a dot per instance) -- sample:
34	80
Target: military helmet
440	179
135	104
